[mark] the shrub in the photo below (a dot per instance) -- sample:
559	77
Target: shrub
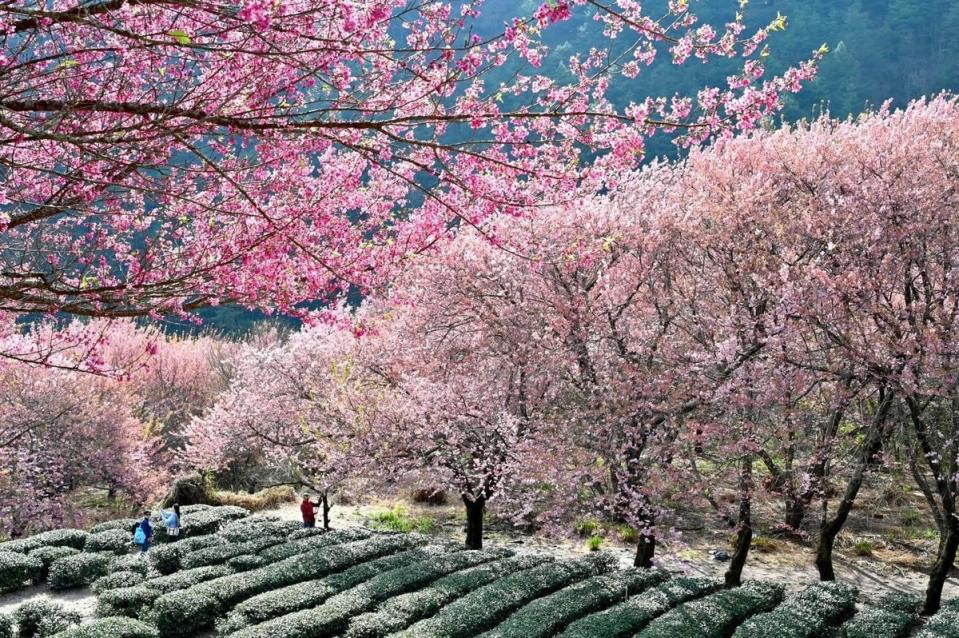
306	532
112	628
278	602
399	520
219	554
54	538
629	617
200	522
717	615
944	623
186	579
47	555
764	544
116	580
6	626
125	524
166	558
588	527
593	543
179	615
264	499
401	611
489	605
332	616
430	496
174	618
127	601
864	547
893	617
129	563
246	562
118	541
258	527
78	570
547	616
809	613
627	534
17	569
43	618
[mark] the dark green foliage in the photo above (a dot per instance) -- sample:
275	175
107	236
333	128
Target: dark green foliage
116	580
17	569
893	617
6	626
548	616
128	601
808	614
166	558
219	554
489	605
111	628
47	555
77	571
186	578
944	623
717	615
42	618
118	541
628	617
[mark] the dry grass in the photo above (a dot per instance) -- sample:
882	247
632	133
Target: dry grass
262	500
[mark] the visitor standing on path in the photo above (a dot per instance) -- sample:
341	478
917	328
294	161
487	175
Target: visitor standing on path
172	521
144	533
308	510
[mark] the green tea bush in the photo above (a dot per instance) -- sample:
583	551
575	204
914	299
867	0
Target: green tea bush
186	578
116	580
17	569
111	628
118	541
125	524
246	562
629	617
547	616
47	555
130	563
306	532
219	554
74	538
166	558
259	527
42	618
79	570
489	605
312	593
201	522
179	615
7	628
332	616
893	617
944	623
402	611
808	614
717	615
132	602
308	544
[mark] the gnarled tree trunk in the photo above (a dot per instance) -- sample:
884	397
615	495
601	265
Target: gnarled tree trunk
474	521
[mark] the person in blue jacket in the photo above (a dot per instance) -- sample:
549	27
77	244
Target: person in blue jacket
143	533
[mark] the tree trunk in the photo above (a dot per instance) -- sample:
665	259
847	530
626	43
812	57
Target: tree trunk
744	538
474	522
940	570
829	529
795	512
645	550
326	510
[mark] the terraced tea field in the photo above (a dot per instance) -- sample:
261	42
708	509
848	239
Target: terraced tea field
232	574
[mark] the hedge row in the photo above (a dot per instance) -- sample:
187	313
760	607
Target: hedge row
485	607
7	628
47	555
944	623
547	616
187	611
311	593
16	570
333	616
129	563
132	602
717	615
112	628
401	611
116	580
259	526
808	614
166	558
78	570
74	538
118	541
119	523
43	618
186	578
893	617
219	554
631	616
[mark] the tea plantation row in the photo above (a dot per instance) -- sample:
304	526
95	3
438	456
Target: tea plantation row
258	577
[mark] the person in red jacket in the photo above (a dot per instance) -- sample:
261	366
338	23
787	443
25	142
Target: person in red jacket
308	510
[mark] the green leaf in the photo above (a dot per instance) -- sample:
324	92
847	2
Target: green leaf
180	36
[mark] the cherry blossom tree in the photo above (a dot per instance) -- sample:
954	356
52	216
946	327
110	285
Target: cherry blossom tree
161	156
